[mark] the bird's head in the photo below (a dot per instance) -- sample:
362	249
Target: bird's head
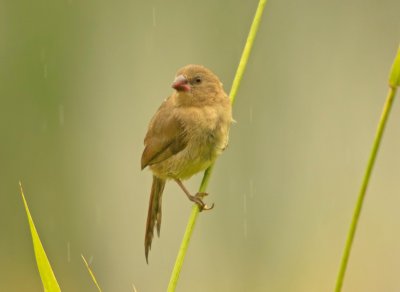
196	83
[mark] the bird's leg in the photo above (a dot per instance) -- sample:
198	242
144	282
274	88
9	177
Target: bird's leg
198	198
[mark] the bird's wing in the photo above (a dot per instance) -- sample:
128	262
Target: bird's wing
165	136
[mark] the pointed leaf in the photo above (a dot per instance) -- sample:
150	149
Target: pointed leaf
49	281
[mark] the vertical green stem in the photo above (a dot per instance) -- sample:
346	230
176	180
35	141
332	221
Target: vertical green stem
394	81
363	189
247	49
204	183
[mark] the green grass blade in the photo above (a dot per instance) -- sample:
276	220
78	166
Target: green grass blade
49	281
91	273
394	81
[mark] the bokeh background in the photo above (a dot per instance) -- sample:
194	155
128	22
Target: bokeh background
79	82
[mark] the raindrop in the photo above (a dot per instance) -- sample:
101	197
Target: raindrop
42	54
251	186
251	114
245	204
90	261
45	71
98	214
154	17
61	114
245	216
44	126
68	252
245	228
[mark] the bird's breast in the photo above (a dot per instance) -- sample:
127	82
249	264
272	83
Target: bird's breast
206	131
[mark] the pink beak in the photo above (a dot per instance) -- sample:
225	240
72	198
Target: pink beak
181	83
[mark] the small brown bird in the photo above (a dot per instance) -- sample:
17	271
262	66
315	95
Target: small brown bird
186	134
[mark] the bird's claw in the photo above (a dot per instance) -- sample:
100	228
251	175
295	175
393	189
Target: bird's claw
198	199
201	195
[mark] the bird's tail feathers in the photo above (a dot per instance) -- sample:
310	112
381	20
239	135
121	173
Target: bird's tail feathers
154	214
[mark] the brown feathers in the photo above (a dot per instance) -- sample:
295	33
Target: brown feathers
154	213
186	134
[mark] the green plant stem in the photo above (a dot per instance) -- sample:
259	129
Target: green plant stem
204	183
371	161
91	273
247	50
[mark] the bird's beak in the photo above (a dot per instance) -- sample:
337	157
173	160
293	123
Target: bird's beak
181	83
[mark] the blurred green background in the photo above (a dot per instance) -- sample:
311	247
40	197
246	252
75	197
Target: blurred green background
79	82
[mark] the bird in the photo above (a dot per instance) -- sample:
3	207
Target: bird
185	136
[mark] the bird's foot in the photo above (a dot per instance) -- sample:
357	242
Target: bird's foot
198	199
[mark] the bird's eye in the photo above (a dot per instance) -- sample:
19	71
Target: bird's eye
197	80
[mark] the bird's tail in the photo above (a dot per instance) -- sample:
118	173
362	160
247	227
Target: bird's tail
154	213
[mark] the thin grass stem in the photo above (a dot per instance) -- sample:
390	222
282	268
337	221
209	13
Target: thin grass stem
394	81
207	174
